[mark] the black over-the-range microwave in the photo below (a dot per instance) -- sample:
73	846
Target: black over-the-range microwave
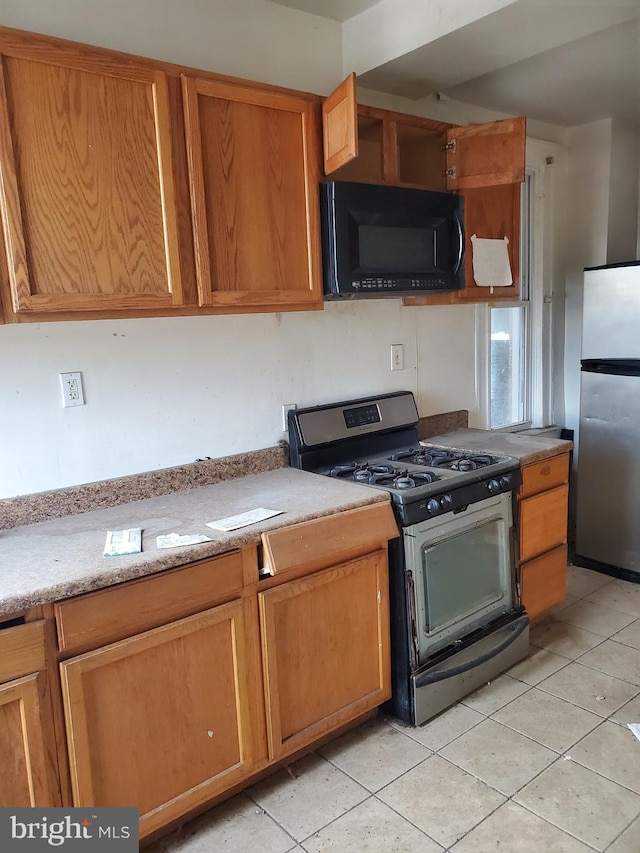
382	241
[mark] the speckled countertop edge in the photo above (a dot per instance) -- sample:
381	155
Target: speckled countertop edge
42	506
444	423
60	555
56	559
526	448
58	503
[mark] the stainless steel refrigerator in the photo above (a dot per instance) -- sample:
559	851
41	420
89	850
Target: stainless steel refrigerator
608	472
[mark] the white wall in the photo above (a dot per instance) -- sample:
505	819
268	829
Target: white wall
162	392
602	225
251	39
587	229
622	234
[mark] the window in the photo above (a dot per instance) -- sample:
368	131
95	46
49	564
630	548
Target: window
508	370
514	338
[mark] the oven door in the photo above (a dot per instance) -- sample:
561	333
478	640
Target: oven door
461	570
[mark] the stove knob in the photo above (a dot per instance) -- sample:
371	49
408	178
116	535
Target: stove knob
433	506
446	502
493	486
505	481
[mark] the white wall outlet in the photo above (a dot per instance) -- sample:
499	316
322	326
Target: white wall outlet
397	356
72	393
287	408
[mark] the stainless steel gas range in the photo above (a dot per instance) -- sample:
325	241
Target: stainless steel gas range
456	616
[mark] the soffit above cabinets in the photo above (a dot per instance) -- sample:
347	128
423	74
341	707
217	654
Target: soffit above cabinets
563	63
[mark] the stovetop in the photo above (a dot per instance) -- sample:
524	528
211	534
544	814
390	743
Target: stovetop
411	473
374	441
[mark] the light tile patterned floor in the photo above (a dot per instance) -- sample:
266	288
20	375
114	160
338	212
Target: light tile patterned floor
540	759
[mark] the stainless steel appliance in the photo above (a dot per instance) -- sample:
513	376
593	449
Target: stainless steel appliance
456	616
390	241
608	479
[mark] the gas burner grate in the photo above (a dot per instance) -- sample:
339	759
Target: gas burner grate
430	458
361	471
403	480
472	462
437	458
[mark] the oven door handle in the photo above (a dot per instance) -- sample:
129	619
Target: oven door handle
513	632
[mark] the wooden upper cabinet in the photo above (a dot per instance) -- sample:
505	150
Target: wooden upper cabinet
483	155
381	146
254	161
340	125
87	201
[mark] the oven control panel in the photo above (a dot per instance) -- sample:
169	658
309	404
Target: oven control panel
455	500
362	416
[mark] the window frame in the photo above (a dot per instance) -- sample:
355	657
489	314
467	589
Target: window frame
536	288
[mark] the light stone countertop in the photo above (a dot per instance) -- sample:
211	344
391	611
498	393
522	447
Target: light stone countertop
56	559
526	448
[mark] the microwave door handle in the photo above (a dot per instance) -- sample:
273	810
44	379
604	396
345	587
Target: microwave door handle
460	234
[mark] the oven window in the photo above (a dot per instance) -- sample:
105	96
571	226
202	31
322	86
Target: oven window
464	578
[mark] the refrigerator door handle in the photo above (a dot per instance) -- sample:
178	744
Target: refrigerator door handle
611	366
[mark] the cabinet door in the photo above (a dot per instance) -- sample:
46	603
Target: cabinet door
493	213
544	581
87	207
162	721
253	168
340	125
325	640
24	778
483	155
543	522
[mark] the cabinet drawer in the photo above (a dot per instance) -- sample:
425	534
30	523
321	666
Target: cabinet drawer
312	545
543	522
111	614
21	650
544	581
544	475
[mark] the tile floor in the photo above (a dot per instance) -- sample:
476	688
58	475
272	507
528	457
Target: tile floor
540	759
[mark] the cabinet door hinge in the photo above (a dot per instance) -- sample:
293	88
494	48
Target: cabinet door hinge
450	146
450	173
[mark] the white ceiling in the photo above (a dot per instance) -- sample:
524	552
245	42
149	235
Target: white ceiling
339	10
567	62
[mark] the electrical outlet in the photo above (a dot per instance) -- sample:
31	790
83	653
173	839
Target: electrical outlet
397	356
72	393
286	407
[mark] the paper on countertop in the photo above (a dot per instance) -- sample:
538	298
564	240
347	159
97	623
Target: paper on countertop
120	542
635	728
173	540
244	518
491	267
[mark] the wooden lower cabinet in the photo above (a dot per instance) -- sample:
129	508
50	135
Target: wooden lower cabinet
543	511
544	581
28	766
179	688
24	779
325	641
167	719
543	521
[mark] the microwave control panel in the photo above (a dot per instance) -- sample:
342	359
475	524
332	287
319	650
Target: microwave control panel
400	284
